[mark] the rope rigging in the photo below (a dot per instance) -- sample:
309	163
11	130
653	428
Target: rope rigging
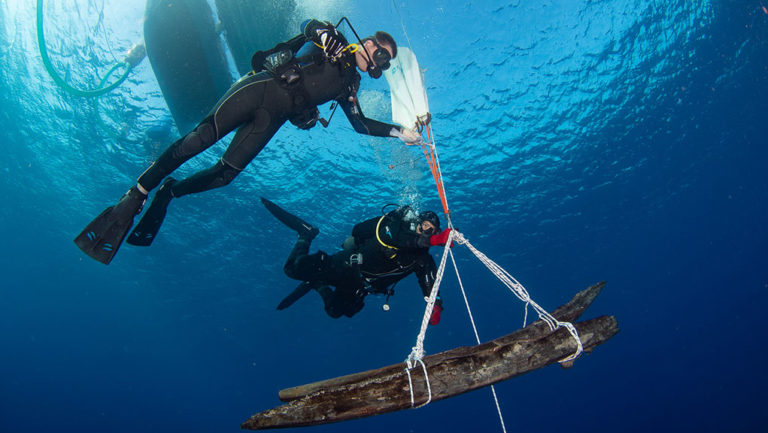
423	125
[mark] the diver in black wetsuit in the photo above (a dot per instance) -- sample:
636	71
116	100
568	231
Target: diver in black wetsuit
311	69
380	252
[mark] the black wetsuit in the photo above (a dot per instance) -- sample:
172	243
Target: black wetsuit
395	253
258	105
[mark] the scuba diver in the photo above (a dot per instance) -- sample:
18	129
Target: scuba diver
381	251
287	83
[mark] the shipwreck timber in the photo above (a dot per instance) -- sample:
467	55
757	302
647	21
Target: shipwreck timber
450	373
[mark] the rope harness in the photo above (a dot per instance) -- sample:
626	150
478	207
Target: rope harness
410	385
417	351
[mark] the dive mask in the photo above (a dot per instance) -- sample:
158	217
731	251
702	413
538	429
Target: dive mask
380	60
433	219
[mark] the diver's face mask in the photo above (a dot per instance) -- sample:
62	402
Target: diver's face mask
378	61
427	228
429	223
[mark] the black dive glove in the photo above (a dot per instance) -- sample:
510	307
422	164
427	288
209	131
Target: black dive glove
325	35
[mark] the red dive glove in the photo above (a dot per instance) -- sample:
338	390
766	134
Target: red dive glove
435	318
440	238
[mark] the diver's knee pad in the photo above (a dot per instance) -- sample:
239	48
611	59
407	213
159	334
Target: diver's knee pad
178	153
200	139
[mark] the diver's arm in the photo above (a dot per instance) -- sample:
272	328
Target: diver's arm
364	231
412	240
425	272
364	125
325	36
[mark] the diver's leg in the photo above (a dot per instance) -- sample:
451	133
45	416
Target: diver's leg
347	298
310	269
235	108
329	302
292	268
215	176
250	139
322	271
200	139
218	175
303	266
103	236
344	301
302	228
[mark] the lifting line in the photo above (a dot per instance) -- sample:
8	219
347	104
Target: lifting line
417	352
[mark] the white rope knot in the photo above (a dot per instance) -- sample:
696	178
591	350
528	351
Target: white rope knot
418	350
458	237
416	355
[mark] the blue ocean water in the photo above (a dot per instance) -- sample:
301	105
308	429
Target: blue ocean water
580	141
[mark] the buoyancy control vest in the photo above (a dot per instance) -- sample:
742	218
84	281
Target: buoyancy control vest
288	70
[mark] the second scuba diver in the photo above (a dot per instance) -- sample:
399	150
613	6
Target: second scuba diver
381	251
287	84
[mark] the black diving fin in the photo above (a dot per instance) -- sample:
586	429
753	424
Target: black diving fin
305	230
153	218
297	293
104	235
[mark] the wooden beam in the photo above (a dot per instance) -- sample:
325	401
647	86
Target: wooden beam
450	373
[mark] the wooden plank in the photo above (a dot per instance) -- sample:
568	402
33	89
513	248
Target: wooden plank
568	312
450	373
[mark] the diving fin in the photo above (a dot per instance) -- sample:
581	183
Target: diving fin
153	218
296	294
102	237
304	229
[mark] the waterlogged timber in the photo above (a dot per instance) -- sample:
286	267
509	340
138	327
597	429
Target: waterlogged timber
450	373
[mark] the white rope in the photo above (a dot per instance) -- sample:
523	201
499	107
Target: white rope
523	295
477	337
410	385
417	352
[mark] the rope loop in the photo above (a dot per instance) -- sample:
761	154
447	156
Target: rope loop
410	383
518	290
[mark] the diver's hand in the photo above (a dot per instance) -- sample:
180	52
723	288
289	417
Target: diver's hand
434	319
409	136
440	238
325	35
333	43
